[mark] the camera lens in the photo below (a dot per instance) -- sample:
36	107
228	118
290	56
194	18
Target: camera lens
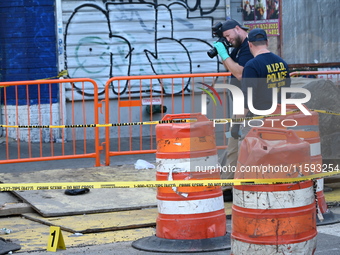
212	53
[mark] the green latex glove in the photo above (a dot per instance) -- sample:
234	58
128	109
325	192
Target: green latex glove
222	51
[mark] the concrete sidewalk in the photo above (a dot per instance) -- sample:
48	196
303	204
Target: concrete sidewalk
61	164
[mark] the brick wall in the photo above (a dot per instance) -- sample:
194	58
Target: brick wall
28	47
28	52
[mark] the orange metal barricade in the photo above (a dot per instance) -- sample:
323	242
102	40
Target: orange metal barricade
149	98
40	142
127	99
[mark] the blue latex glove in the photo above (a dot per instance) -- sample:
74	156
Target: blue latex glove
235	131
221	49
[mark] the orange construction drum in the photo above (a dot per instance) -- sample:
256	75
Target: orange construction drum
190	218
307	128
272	153
187	151
273	218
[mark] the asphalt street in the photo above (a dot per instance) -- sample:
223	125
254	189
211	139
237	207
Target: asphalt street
328	242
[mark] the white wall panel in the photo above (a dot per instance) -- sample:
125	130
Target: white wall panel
105	39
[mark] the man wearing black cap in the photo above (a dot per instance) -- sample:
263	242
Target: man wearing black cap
236	34
263	73
240	55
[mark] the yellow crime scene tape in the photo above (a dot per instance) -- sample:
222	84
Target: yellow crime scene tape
157	184
60	74
100	125
159	121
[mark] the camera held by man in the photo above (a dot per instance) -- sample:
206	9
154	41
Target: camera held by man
217	32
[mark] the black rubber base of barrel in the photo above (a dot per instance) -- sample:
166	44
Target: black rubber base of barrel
156	244
329	218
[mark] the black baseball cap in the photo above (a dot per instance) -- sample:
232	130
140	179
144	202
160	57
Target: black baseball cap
230	24
257	34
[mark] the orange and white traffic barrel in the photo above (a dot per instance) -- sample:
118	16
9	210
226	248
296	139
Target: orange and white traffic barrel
189	218
272	153
273	218
307	128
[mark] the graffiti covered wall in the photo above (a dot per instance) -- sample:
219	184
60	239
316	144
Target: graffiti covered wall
105	39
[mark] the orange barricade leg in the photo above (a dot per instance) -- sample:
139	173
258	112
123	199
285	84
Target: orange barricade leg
273	218
190	219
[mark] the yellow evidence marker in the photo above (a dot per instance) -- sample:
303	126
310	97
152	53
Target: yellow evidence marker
55	239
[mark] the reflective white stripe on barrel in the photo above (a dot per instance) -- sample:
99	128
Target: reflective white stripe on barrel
191	206
273	199
302	248
180	165
315	149
319	185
